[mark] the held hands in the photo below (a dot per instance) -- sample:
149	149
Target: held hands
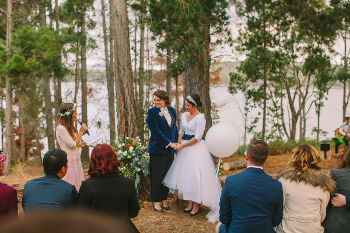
178	147
339	200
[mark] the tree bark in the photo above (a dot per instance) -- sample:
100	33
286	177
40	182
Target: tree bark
22	155
84	113
142	58
47	90
110	81
167	76
8	90
77	74
57	81
265	75
127	125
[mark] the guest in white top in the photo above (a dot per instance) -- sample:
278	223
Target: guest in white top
192	173
69	141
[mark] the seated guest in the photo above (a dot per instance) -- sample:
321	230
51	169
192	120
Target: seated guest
50	191
8	195
106	191
306	192
251	201
338	219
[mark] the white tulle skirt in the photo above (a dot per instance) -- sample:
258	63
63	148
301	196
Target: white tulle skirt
193	176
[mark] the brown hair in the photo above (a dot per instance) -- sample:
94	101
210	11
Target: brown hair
257	151
304	157
162	95
67	121
345	159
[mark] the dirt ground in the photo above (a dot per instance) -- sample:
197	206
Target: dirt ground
149	221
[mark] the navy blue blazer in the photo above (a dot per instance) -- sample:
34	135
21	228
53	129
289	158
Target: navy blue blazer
48	192
251	201
161	133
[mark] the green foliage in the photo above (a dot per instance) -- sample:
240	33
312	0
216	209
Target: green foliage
186	27
241	149
285	40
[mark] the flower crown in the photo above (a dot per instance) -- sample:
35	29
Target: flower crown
2	159
68	112
190	99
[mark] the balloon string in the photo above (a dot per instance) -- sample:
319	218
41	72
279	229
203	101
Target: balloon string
218	167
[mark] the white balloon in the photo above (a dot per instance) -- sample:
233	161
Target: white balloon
222	140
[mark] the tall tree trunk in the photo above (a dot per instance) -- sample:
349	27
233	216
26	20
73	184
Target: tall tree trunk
77	74
265	76
345	100
167	76
142	59
57	81
22	155
110	81
47	90
127	124
84	113
8	113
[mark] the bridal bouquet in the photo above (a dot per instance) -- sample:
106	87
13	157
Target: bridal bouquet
133	159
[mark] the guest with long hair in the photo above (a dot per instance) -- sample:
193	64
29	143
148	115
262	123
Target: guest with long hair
8	195
306	192
69	140
106	191
338	218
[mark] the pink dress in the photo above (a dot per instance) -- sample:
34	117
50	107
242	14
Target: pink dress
75	173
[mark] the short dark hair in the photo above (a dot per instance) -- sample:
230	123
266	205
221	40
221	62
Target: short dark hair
103	161
347	118
257	151
53	161
162	95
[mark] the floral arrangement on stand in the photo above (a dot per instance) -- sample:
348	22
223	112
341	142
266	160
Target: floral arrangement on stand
133	159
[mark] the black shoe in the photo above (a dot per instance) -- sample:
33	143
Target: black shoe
157	210
194	214
187	211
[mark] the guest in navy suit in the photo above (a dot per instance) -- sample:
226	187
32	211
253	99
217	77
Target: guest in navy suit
161	120
251	201
50	191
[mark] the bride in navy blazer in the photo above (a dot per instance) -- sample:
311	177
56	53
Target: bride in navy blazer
161	120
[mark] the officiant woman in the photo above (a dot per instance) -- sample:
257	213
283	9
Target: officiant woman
161	120
69	140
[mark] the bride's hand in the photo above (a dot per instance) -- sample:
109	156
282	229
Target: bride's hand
178	147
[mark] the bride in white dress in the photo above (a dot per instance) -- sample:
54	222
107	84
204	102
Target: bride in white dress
192	174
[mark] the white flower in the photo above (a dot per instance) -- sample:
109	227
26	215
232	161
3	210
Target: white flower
125	153
131	148
119	152
161	114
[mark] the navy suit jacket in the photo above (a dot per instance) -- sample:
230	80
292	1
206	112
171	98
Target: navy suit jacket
161	133
251	201
48	192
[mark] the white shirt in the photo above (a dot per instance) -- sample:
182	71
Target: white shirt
255	167
344	128
166	113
